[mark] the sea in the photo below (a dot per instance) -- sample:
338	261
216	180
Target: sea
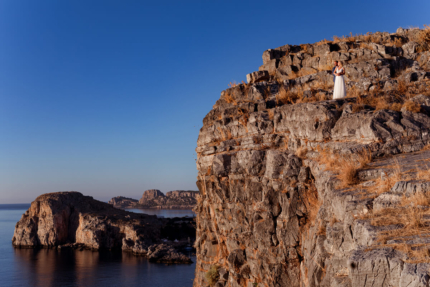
51	267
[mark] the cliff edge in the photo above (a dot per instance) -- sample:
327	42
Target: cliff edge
301	190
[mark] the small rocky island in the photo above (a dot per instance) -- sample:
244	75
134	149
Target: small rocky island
154	198
72	220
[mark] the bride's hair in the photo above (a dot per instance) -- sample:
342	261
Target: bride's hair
341	62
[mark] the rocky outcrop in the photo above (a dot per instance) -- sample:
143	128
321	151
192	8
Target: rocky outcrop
300	190
164	253
154	198
149	195
70	219
123	202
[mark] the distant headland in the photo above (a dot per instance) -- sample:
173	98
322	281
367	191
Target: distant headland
154	198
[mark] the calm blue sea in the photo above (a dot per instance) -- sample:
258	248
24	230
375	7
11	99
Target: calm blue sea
43	267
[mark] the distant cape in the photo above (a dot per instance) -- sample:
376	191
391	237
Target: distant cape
154	198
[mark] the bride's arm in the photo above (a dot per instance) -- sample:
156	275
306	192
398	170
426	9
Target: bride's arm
343	71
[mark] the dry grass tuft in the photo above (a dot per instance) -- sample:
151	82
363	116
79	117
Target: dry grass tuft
345	167
244	117
423	174
424	39
286	96
311	201
322	42
353	92
228	98
368	37
397	42
348	176
385	184
301	73
304	47
366	46
412	106
417	199
402	88
364	157
232	84
378	101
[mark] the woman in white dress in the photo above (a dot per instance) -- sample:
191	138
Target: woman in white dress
339	90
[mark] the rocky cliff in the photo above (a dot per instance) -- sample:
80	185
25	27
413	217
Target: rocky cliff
69	219
300	190
154	198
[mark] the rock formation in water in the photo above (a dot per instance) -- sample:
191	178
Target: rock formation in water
69	219
123	202
154	198
300	190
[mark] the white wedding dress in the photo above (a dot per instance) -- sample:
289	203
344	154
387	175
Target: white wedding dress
339	90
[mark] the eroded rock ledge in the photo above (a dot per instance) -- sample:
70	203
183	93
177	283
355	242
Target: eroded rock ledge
72	220
275	212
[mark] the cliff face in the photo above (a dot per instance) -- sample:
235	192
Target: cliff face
71	219
154	198
300	190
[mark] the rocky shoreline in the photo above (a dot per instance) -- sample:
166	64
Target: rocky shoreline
71	220
155	199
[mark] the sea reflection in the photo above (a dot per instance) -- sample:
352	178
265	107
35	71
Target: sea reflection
51	267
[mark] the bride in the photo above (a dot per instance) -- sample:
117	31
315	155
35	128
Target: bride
339	90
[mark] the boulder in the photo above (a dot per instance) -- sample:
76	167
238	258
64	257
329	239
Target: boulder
257	76
410	48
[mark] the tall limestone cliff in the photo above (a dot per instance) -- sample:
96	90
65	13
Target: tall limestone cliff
301	190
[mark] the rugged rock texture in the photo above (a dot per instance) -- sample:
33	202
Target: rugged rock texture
77	221
284	198
154	198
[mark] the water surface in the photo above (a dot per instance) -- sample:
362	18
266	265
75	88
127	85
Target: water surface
167	213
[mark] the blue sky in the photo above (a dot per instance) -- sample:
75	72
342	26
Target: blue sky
107	97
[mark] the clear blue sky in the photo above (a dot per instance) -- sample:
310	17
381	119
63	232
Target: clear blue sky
107	97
